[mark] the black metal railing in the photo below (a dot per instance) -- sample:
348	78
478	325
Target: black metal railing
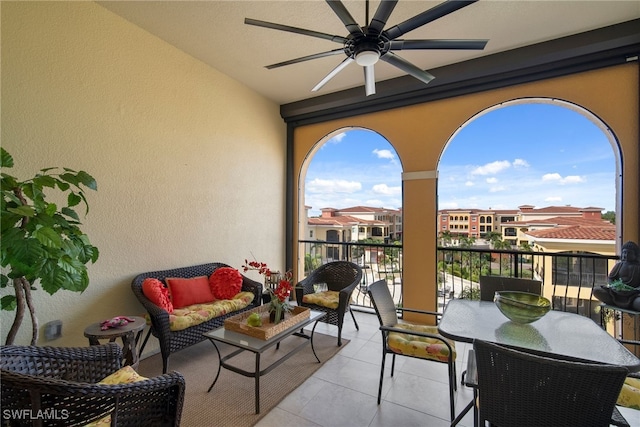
378	261
568	279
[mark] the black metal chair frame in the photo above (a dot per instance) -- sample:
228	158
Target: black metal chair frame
387	313
61	382
517	388
172	341
489	285
340	276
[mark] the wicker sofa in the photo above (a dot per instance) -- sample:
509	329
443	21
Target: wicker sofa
59	386
174	340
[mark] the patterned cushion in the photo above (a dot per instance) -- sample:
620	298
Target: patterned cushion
630	393
157	293
423	347
124	375
225	282
182	318
328	299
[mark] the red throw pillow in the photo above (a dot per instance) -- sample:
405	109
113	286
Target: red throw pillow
225	282
157	293
190	291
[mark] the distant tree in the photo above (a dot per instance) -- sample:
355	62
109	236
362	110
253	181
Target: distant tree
493	237
466	241
609	216
525	246
446	238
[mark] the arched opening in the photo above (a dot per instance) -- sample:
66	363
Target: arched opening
350	206
539	173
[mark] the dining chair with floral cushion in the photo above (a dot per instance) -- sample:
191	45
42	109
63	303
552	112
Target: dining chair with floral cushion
401	338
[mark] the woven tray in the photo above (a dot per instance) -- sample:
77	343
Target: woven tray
267	330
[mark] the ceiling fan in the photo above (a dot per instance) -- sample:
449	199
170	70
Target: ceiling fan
366	45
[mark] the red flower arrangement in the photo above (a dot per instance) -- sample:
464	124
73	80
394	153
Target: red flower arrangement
278	305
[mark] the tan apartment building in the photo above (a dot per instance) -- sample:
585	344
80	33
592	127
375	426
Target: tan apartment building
473	222
356	223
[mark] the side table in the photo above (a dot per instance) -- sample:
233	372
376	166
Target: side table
632	319
129	333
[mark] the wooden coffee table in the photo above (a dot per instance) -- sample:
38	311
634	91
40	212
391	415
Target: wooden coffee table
257	346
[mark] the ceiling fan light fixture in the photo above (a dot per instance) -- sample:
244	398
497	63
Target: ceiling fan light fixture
367	57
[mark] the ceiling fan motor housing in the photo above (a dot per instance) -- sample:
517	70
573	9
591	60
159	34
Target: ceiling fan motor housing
366	50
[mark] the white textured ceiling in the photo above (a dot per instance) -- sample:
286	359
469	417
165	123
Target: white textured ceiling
214	32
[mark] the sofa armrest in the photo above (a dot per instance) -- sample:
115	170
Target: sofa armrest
249	285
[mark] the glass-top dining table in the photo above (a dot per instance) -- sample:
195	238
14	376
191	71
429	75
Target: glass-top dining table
558	334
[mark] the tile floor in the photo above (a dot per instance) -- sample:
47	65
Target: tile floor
344	391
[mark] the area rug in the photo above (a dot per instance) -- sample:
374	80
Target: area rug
231	402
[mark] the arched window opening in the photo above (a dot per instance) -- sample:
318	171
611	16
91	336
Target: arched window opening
350	200
546	173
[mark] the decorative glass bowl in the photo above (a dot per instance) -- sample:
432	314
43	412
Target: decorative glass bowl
522	307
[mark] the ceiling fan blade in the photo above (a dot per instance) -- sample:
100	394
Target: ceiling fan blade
438	44
407	67
296	30
427	16
369	80
346	18
382	14
305	58
332	74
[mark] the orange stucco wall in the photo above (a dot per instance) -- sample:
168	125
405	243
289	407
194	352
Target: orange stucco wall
419	134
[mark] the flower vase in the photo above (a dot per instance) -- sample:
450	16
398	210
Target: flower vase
276	315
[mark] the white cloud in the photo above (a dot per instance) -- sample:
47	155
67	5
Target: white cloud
448	205
569	179
333	186
553	199
572	179
551	177
469	184
520	163
492	180
492	168
337	138
386	190
497	189
384	154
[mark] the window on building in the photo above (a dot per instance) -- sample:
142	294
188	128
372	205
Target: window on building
311	234
573	271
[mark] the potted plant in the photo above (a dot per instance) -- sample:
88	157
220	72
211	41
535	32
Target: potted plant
41	241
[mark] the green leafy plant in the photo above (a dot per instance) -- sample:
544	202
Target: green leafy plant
41	242
619	285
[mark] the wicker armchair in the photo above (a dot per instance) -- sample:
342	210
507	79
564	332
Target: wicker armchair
339	276
172	341
61	383
411	340
522	389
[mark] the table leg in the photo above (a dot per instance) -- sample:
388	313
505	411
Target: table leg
129	350
219	366
312	347
257	377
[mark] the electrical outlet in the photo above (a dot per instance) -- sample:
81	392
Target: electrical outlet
53	330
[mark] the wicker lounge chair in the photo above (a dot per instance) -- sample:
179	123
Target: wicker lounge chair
339	276
57	386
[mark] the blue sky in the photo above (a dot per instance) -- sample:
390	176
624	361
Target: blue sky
537	154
